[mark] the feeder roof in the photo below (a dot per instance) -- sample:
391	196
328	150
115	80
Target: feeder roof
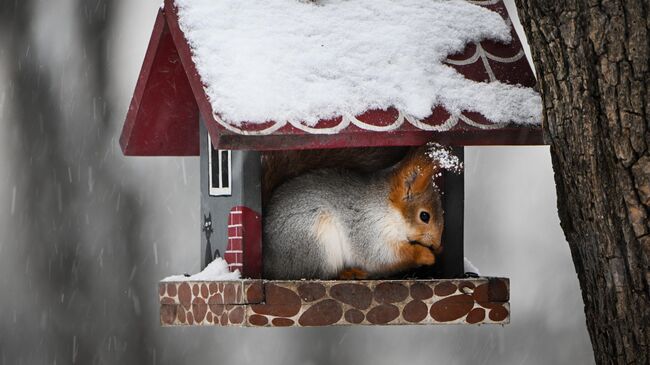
285	74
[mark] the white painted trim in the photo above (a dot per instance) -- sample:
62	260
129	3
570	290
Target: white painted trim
220	191
447	125
469	121
484	55
346	120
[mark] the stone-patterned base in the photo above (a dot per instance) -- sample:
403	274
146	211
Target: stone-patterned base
323	303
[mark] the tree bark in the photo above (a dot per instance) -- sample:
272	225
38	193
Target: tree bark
592	61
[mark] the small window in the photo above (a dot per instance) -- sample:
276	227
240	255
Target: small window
219	170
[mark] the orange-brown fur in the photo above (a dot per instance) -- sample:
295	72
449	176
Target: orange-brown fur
412	256
353	274
412	191
414	175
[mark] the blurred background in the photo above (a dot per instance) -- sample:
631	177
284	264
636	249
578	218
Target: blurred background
85	233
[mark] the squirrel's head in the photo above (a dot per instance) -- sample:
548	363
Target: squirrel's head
415	195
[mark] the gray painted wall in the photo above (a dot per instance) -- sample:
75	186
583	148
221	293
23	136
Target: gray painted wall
246	190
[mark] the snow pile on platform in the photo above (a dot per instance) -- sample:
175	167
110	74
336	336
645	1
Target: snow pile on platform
217	270
304	61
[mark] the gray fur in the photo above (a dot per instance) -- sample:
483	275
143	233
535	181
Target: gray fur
291	250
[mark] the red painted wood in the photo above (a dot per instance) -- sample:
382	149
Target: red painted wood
501	137
252	243
185	54
163	117
244	248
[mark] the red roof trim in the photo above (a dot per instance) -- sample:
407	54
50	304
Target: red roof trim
162	119
495	137
138	94
185	54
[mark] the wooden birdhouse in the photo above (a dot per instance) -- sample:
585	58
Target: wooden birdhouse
175	112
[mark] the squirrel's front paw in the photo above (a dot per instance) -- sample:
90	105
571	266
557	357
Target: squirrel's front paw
424	256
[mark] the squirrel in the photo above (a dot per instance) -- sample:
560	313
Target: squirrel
349	220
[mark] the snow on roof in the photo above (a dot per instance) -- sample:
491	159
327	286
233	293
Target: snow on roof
301	61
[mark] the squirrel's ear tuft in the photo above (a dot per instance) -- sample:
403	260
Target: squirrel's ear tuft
409	182
413	175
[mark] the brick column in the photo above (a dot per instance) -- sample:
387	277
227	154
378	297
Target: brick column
244	249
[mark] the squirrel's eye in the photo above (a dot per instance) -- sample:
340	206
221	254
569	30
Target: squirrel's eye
424	216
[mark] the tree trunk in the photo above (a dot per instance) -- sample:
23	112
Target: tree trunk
592	61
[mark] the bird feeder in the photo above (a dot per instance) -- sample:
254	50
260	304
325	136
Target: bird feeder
171	115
